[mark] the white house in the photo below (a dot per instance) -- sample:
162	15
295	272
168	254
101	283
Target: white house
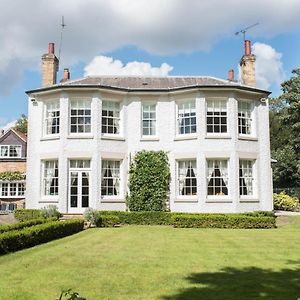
83	134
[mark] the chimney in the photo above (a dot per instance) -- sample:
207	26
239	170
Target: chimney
49	66
247	66
230	76
66	75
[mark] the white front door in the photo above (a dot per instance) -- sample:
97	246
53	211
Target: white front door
79	189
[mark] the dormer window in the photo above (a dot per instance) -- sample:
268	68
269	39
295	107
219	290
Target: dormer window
10	151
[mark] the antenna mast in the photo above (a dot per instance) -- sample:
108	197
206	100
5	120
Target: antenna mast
63	25
243	31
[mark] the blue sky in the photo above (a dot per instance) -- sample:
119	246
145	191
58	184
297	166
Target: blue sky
162	37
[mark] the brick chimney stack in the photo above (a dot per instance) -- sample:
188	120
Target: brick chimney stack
49	66
247	66
230	76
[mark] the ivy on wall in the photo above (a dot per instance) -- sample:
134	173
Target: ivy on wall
12	176
149	179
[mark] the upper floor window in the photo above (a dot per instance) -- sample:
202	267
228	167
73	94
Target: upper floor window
52	118
110	117
187	177
149	119
217	177
50	177
10	151
216	116
110	178
80	118
244	117
186	117
246	177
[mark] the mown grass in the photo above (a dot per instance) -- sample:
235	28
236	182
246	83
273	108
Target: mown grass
157	262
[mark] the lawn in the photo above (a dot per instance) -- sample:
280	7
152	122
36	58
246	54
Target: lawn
157	262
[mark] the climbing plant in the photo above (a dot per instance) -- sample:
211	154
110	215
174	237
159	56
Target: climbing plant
11	176
149	178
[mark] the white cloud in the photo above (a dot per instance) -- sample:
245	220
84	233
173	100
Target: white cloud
103	65
96	27
6	125
269	67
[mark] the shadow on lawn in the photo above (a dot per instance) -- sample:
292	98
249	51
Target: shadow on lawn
243	284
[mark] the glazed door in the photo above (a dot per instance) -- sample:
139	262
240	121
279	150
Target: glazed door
79	190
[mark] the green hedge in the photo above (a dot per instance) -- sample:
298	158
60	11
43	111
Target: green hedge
107	221
27	214
283	201
259	219
223	221
30	236
21	225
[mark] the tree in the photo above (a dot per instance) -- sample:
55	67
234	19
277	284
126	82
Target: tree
285	133
22	124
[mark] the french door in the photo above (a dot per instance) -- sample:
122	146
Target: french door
79	187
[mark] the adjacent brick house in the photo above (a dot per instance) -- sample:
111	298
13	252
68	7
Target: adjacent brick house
13	149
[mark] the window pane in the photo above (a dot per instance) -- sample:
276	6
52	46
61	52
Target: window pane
217	177
186	118
51	178
246	177
244	117
149	119
110	178
187	177
52	118
80	116
216	116
110	117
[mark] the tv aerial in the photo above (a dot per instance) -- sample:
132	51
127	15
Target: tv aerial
63	25
243	31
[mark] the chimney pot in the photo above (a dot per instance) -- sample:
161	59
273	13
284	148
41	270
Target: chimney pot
231	75
51	48
66	74
247	47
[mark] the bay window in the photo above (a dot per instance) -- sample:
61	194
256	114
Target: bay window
110	178
52	118
246	177
216	116
80	116
186	117
244	117
187	177
110	117
50	178
217	177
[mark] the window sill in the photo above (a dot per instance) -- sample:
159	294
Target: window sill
150	138
55	199
12	197
112	200
191	199
80	136
218	136
249	200
247	138
218	199
50	138
183	137
113	137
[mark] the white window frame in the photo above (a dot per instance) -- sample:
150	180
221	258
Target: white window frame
248	118
251	178
190	109
84	104
217	108
48	177
9	147
116	109
20	189
119	194
225	178
149	119
52	113
179	187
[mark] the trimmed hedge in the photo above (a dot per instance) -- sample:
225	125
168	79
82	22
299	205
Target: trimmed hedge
259	219
27	214
223	221
21	225
31	236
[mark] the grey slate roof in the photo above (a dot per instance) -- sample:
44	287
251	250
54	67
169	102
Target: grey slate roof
140	83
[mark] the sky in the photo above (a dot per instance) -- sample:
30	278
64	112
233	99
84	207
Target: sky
142	37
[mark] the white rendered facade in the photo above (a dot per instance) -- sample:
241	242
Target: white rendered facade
218	137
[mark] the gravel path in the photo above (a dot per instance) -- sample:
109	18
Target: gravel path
7	219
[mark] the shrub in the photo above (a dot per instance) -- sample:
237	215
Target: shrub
259	219
283	201
223	221
149	178
27	214
107	221
91	215
30	236
50	211
22	225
